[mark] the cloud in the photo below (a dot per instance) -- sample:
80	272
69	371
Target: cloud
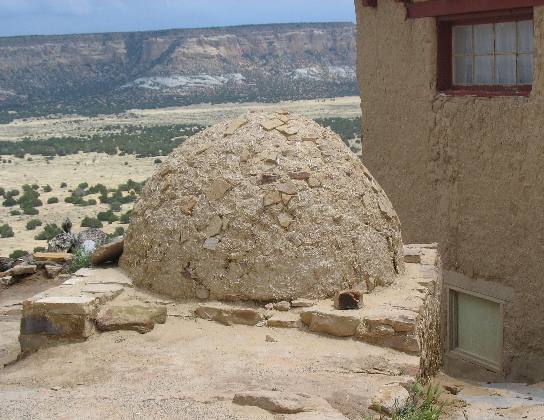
23	17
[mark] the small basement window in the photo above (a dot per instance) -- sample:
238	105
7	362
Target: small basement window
476	328
486	55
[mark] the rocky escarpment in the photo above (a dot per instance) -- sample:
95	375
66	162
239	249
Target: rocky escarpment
266	62
264	207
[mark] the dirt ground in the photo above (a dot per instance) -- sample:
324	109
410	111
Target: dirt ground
92	168
189	368
203	114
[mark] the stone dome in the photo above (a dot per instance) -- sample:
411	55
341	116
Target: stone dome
264	207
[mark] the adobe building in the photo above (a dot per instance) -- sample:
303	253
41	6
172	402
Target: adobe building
453	129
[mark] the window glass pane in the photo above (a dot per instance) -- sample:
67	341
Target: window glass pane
525	36
479	327
462	39
483	39
463	70
483	70
505	66
525	69
505	37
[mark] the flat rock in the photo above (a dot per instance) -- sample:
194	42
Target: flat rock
412	255
282	306
302	303
284	321
8	280
229	315
24	269
332	322
103	292
108	252
132	317
58	257
61	305
235	125
53	270
390	399
282	402
269	125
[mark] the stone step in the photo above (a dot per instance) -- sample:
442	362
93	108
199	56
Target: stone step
229	315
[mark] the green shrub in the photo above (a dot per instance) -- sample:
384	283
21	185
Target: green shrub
81	260
52	200
35	187
2	191
9	202
33	224
29	198
39	249
30	211
63	184
91	202
91	222
18	253
83	186
47	188
49	232
115	206
12	193
107	216
119	231
157	161
6	231
125	218
423	404
15	212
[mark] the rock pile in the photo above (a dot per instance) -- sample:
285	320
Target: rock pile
266	207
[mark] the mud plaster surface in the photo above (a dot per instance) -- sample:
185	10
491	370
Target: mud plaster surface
269	206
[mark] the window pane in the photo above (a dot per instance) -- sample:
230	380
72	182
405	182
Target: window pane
479	327
525	36
525	69
483	70
483	39
505	69
463	70
505	37
462	39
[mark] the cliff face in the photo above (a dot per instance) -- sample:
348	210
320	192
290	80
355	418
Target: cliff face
265	62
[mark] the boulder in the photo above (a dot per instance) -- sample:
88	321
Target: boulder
63	242
390	399
5	264
229	315
92	234
53	270
332	322
109	252
130	316
8	280
347	299
24	269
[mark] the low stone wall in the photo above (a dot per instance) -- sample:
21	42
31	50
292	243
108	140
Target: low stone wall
404	316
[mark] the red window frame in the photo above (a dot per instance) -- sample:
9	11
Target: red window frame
444	59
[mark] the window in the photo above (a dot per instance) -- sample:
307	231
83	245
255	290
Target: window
486	55
480	341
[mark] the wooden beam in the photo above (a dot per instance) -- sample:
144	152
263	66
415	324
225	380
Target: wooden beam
431	8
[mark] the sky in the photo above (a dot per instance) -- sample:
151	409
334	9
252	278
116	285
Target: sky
47	17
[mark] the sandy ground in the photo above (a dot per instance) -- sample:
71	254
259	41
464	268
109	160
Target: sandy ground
92	168
190	369
204	114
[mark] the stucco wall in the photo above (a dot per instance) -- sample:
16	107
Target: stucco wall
466	172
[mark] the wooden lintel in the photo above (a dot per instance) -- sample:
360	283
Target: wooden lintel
433	8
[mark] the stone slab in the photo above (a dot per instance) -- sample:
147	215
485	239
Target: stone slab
284	321
229	315
108	252
61	305
58	257
331	322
